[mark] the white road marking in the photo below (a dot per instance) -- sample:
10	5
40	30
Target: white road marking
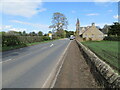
50	75
7	60
20	57
51	45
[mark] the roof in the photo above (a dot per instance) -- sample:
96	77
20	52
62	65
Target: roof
92	29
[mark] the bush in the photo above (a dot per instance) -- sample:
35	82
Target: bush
45	38
12	40
112	38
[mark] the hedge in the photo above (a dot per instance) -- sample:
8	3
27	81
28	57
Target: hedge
12	40
112	38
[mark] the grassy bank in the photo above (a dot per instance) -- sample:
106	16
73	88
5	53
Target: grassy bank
106	50
20	46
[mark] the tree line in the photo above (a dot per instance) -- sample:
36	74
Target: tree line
112	30
24	33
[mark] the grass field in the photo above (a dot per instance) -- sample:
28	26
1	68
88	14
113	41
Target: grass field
106	50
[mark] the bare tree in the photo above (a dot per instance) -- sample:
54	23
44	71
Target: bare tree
59	22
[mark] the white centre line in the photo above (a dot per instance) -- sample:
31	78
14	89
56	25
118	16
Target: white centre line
51	45
6	60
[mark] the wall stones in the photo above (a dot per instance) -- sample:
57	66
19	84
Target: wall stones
102	72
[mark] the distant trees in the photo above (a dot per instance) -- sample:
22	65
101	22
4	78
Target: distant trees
106	29
40	33
32	34
68	33
24	33
113	32
114	29
61	34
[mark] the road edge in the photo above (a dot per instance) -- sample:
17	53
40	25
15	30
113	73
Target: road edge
51	80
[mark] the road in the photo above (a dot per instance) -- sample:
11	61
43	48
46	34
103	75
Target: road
30	67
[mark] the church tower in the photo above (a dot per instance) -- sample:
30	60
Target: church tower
77	27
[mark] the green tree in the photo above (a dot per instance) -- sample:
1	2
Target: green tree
68	33
40	33
50	32
20	33
2	33
114	29
61	34
32	34
45	34
106	29
24	33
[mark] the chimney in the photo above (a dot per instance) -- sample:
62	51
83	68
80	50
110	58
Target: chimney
93	24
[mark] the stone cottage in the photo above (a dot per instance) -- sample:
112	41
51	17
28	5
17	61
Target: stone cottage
90	33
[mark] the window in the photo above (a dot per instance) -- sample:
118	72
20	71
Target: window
92	35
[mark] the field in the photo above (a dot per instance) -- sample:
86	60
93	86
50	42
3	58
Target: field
106	50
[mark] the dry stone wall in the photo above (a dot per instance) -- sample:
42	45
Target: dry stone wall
103	73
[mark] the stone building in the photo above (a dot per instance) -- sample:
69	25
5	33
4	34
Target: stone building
90	33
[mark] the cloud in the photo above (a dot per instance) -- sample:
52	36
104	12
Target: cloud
0	28
11	28
25	8
116	17
35	27
110	10
101	25
31	24
17	29
5	27
42	10
73	11
92	14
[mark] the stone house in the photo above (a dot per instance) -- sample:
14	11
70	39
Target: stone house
90	33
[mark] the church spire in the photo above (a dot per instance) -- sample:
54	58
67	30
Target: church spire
78	23
77	27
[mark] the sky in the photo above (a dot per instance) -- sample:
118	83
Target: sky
31	15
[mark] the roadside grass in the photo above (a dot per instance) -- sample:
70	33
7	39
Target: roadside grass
21	46
106	50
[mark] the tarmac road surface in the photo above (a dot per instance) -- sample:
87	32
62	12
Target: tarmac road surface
30	67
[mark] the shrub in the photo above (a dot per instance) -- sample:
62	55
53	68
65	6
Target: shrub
12	40
112	38
45	38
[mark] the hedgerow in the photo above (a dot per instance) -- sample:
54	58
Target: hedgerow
112	38
13	40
